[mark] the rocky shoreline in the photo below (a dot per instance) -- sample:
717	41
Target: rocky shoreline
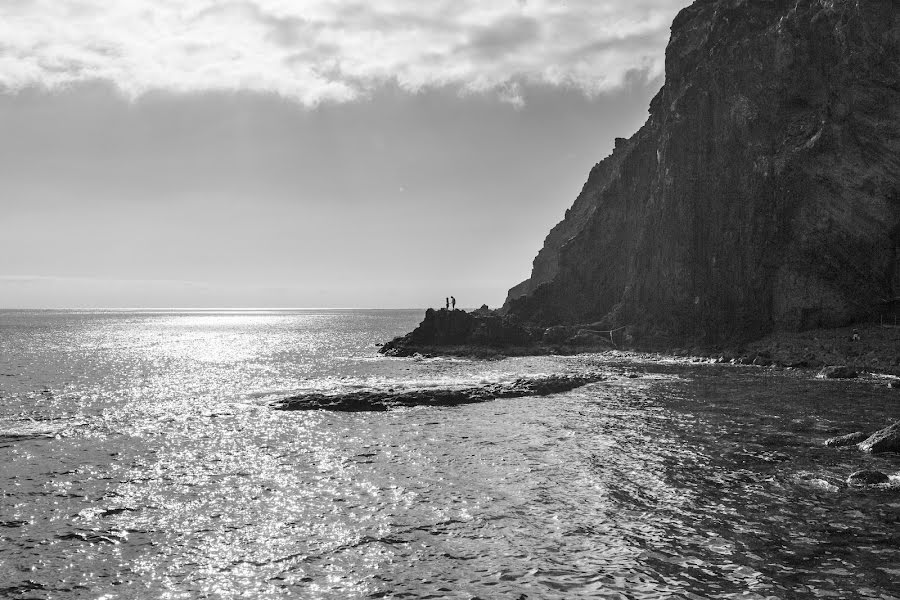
485	334
870	351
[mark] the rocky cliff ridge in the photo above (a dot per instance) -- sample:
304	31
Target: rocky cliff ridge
763	192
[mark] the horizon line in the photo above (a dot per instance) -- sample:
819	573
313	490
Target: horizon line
210	308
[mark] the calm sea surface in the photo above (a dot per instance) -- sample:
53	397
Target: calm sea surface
140	458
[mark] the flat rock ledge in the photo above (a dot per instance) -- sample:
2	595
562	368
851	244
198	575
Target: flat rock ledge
381	400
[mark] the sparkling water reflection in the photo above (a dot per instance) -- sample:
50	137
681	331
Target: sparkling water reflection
141	459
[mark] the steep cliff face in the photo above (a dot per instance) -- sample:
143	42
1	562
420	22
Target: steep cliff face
762	193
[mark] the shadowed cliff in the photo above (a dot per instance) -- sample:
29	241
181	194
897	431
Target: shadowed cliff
763	193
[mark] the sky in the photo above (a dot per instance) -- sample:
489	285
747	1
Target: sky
316	153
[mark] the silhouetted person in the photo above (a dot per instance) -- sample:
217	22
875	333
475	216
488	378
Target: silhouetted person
453	302
448	302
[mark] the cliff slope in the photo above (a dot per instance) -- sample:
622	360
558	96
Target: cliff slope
763	192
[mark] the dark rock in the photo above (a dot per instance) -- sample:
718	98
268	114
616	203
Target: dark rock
762	193
837	372
456	328
894	384
761	361
861	478
798	364
586	337
557	334
483	311
381	400
850	439
883	440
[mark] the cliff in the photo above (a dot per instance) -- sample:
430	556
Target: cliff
762	194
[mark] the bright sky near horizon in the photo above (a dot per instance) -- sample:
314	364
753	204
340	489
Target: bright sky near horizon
324	153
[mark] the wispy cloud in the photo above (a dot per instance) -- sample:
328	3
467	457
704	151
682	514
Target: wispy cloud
314	51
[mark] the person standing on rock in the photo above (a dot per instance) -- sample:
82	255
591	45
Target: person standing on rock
447	300
453	302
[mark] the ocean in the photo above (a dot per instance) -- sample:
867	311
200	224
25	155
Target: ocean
141	457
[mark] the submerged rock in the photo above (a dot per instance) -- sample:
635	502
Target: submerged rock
385	399
883	440
850	439
861	478
838	372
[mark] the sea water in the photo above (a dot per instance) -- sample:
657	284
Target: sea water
140	457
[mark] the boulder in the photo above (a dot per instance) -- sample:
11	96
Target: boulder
483	311
557	334
762	361
851	439
838	372
883	440
861	478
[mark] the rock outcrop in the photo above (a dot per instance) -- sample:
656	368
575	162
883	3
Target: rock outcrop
883	440
762	194
486	333
851	439
381	400
443	330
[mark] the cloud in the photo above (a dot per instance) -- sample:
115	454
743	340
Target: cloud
315	51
